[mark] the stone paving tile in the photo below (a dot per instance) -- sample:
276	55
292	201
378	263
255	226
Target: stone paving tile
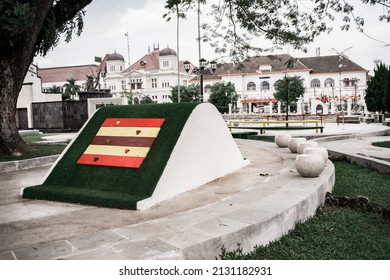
96	240
249	216
44	251
220	226
187	238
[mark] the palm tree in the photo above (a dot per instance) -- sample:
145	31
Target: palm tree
71	88
54	89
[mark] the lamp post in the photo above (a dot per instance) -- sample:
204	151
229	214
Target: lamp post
230	105
355	86
201	71
341	57
128	56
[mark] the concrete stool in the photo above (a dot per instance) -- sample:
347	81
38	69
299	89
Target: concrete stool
303	145
317	150
309	165
293	143
282	140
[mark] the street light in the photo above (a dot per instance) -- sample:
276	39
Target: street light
201	71
341	57
128	56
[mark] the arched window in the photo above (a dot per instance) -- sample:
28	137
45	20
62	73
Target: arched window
207	89
264	85
315	83
251	86
329	82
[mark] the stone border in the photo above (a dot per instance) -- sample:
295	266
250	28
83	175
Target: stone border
381	166
17	165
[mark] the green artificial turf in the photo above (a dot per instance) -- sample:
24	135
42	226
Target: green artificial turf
114	186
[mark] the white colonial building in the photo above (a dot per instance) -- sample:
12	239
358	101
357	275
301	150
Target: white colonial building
152	75
326	79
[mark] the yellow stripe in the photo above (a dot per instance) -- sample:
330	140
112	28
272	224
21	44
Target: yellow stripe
117	151
129	131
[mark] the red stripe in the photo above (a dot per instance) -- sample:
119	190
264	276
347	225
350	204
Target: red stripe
116	161
128	122
123	141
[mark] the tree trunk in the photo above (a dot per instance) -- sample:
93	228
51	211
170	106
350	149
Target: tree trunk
11	143
17	53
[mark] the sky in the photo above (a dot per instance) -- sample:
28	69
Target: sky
106	23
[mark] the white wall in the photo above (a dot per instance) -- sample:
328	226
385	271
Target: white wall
202	154
32	92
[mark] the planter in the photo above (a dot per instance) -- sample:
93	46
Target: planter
309	165
293	143
308	144
317	150
282	140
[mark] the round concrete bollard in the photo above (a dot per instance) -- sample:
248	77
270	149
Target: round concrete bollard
309	165
293	143
282	140
303	145
317	150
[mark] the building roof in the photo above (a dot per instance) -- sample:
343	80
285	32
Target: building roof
330	64
61	74
167	51
278	63
115	56
222	70
150	62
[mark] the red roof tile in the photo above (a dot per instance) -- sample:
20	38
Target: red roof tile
61	74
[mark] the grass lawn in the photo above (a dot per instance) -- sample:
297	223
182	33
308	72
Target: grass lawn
336	233
39	150
384	144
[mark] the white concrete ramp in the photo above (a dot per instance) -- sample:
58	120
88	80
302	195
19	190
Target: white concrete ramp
204	152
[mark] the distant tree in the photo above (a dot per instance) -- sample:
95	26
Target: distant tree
378	89
146	99
129	95
289	89
71	88
187	93
55	89
222	94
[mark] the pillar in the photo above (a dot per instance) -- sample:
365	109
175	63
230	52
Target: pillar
325	107
332	106
299	105
349	106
